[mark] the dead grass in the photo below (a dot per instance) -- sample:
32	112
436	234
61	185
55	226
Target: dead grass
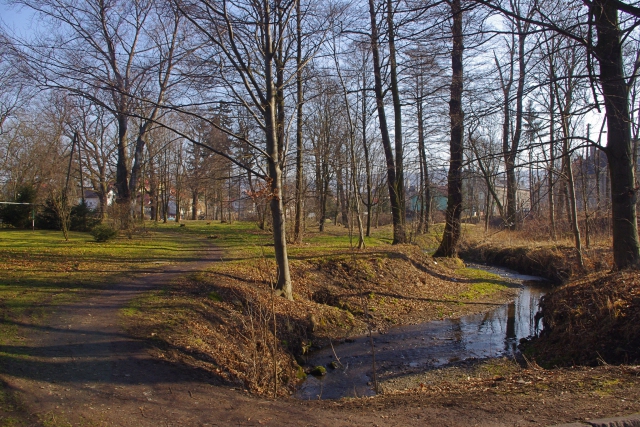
505	376
223	319
534	253
591	321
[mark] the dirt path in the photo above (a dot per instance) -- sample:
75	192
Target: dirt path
82	369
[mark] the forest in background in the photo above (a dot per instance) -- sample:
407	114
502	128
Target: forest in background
512	113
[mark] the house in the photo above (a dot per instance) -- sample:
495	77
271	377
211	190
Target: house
92	199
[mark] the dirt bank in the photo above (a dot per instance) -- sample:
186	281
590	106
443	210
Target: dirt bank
223	320
591	321
556	262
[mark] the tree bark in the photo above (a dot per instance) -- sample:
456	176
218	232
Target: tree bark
512	184
122	169
397	117
552	159
626	249
342	197
451	236
273	149
396	190
297	228
367	160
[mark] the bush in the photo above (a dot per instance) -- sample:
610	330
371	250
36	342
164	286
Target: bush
103	233
83	218
47	217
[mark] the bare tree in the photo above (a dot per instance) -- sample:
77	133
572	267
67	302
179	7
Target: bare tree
92	46
452	228
393	155
605	46
254	42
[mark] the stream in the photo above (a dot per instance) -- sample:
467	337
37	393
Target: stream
411	349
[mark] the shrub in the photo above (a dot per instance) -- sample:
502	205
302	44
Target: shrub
47	218
83	218
103	233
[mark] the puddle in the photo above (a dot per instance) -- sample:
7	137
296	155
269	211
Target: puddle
416	348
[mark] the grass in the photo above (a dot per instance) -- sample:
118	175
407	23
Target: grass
483	284
40	270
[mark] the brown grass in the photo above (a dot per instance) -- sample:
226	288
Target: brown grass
590	321
530	251
223	319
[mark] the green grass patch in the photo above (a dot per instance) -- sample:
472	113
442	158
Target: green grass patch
484	283
474	273
479	290
40	270
214	296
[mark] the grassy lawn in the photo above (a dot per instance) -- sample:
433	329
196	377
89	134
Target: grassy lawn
39	269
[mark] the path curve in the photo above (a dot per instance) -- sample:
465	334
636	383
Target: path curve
81	368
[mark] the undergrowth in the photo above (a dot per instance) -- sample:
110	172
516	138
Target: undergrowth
591	321
528	253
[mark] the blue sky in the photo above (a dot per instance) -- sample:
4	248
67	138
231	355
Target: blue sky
15	19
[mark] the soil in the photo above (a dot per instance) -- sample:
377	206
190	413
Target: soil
81	368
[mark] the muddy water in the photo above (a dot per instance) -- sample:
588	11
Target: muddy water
415	348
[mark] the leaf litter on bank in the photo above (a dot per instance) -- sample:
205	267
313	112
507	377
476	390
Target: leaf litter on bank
232	336
591	321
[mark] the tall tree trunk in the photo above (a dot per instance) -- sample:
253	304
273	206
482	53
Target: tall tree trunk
297	228
322	183
397	123
451	235
512	185
194	205
428	199
512	152
138	157
574	207
421	154
367	160
508	152
626	249
274	150
552	159
342	197
399	235
122	166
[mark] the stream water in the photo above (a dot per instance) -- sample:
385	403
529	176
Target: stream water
411	349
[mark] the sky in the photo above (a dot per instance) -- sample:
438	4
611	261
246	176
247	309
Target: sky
20	22
15	19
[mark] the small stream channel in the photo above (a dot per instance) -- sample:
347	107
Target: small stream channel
412	349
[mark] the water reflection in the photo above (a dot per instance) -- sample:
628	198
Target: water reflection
416	348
